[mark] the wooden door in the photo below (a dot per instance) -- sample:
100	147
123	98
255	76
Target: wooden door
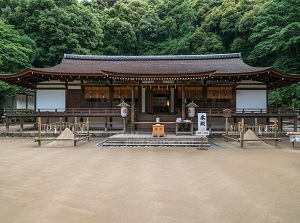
74	98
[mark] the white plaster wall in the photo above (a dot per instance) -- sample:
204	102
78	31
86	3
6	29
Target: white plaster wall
49	100
20	101
251	100
31	102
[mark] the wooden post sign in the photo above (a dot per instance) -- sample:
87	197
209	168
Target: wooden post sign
202	125
202	122
240	126
227	113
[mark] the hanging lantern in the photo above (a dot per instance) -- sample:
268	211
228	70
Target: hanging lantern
191	109
124	109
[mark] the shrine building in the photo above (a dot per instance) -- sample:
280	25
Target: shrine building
152	85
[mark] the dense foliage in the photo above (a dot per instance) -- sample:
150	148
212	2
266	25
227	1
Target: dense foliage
15	53
267	32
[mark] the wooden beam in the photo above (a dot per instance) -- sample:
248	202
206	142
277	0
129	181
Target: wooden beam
183	102
132	109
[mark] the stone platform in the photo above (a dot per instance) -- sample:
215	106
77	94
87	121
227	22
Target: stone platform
147	140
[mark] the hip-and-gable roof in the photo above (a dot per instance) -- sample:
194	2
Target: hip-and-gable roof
210	67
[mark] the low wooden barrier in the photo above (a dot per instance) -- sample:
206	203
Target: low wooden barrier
59	127
240	128
249	140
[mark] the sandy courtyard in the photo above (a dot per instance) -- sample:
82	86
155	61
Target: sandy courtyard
94	184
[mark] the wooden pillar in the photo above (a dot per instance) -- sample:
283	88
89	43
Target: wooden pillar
204	95
75	130
67	103
175	99
47	118
35	108
210	120
60	125
172	100
280	124
111	94
26	101
139	93
149	99
226	127
132	110
256	126
275	130
234	98
124	125
39	130
88	128
242	133
183	102
295	123
21	124
7	123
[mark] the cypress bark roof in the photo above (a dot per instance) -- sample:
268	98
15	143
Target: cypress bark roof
210	67
153	65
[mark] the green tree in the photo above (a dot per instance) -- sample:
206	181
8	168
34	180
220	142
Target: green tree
286	97
222	21
122	23
59	27
15	53
204	7
14	56
205	43
181	12
174	46
276	40
149	31
276	35
119	38
7	7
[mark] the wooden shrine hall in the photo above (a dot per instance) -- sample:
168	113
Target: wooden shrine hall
153	86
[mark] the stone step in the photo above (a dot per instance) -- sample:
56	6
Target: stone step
157	145
170	142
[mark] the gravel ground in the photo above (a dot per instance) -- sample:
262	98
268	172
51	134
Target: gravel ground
97	184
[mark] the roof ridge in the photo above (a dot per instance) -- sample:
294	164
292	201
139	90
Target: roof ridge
158	57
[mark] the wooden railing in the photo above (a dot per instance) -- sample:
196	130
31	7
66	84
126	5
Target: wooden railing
106	117
292	111
67	111
110	117
270	111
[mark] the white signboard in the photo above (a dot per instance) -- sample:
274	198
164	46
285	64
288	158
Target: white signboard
202	122
201	133
294	138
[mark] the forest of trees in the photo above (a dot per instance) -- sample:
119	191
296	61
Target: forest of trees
36	33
